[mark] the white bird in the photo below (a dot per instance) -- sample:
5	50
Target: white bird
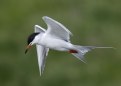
56	37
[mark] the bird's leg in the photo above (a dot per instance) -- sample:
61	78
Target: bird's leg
73	51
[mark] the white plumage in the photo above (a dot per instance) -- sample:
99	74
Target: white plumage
56	37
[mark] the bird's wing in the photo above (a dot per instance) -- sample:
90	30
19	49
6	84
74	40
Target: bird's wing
56	29
37	28
41	51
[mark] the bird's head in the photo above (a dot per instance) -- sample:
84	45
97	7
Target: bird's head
31	40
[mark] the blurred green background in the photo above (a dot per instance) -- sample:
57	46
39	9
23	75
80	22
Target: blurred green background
93	22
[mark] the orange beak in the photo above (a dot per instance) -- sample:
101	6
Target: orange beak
27	48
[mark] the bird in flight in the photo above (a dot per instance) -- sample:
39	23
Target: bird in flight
56	37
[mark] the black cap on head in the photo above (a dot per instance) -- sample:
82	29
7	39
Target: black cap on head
31	38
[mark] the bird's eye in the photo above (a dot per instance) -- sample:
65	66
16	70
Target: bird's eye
31	38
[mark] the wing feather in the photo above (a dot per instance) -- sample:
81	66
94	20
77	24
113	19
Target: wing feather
41	51
37	28
56	29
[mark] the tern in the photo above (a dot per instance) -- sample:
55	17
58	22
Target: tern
55	37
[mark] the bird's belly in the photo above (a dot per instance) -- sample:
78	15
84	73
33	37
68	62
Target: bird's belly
55	44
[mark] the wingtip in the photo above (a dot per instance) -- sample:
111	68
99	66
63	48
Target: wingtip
48	20
40	74
41	71
45	17
36	25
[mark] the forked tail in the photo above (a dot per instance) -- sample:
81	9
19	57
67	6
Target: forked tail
80	51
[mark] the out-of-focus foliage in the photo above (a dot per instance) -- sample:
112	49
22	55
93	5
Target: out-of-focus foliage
93	22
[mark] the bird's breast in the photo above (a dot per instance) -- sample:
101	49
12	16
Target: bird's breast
54	43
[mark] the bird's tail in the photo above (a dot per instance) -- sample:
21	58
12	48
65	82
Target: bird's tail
80	51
